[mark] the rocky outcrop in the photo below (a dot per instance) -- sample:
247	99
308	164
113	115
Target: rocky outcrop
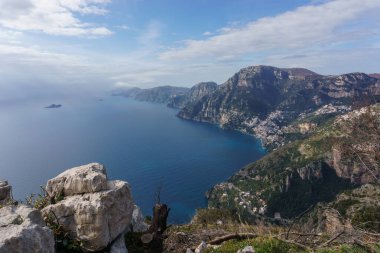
356	208
93	210
348	167
5	192
22	229
83	179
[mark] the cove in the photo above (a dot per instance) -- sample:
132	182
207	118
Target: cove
142	143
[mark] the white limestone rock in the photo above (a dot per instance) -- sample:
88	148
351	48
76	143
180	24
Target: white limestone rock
247	249
118	246
138	220
3	183
83	179
22	229
201	247
96	219
5	192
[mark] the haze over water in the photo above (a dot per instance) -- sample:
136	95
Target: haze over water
142	143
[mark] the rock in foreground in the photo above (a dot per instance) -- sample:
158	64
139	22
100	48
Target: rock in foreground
83	179
22	229
5	192
93	210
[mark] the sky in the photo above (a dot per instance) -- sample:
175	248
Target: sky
53	48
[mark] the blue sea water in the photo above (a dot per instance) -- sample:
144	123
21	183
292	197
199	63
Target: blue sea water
142	143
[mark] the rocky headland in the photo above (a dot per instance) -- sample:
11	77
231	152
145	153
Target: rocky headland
269	102
276	105
161	94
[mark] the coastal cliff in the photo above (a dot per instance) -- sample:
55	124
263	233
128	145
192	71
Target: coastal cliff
264	100
196	93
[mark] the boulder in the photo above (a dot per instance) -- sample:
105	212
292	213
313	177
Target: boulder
83	179
95	211
96	219
22	229
5	192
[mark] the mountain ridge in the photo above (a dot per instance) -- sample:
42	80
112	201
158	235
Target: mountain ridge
261	100
160	94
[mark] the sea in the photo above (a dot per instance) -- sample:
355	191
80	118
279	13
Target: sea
143	143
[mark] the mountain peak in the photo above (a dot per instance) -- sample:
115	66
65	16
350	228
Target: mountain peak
203	84
300	73
291	73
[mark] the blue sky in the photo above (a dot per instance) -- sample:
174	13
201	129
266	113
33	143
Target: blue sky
64	47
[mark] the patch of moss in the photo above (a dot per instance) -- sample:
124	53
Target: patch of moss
212	215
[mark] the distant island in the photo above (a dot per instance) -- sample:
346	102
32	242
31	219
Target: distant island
53	106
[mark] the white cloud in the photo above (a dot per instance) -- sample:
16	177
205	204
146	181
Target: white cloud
330	62
85	6
54	17
312	36
143	74
9	35
306	26
151	33
124	27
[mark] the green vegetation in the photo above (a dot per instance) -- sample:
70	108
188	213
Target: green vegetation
64	242
260	244
302	194
300	174
266	245
213	215
368	218
348	249
343	205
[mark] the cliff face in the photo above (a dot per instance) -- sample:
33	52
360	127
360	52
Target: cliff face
196	93
260	100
